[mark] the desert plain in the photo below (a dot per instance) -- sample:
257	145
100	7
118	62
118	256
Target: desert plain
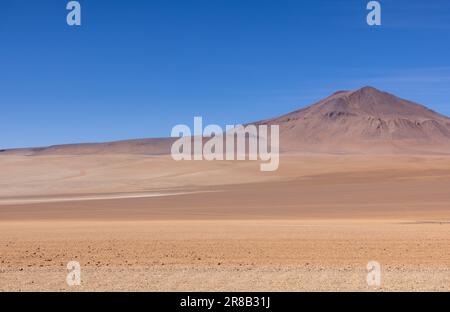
149	223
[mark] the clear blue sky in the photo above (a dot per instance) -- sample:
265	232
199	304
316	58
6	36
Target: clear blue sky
136	68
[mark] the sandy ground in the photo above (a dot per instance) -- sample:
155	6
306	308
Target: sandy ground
312	225
225	255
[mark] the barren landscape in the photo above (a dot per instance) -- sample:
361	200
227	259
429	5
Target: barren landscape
313	225
139	220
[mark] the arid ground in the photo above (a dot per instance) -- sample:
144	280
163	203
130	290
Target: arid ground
149	223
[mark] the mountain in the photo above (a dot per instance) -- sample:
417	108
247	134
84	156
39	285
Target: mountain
156	146
362	121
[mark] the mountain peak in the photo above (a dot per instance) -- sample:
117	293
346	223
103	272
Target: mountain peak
366	118
368	89
369	101
364	92
365	102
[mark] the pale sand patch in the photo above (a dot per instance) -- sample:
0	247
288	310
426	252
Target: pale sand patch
62	199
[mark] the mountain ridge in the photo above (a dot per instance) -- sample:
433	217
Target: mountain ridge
365	120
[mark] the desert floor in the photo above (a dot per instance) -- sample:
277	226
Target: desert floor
149	223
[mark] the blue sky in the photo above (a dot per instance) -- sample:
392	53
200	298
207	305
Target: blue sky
136	68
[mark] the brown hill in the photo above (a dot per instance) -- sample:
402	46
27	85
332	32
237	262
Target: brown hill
362	121
158	146
365	120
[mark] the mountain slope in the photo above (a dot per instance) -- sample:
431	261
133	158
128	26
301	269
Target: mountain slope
365	120
362	121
